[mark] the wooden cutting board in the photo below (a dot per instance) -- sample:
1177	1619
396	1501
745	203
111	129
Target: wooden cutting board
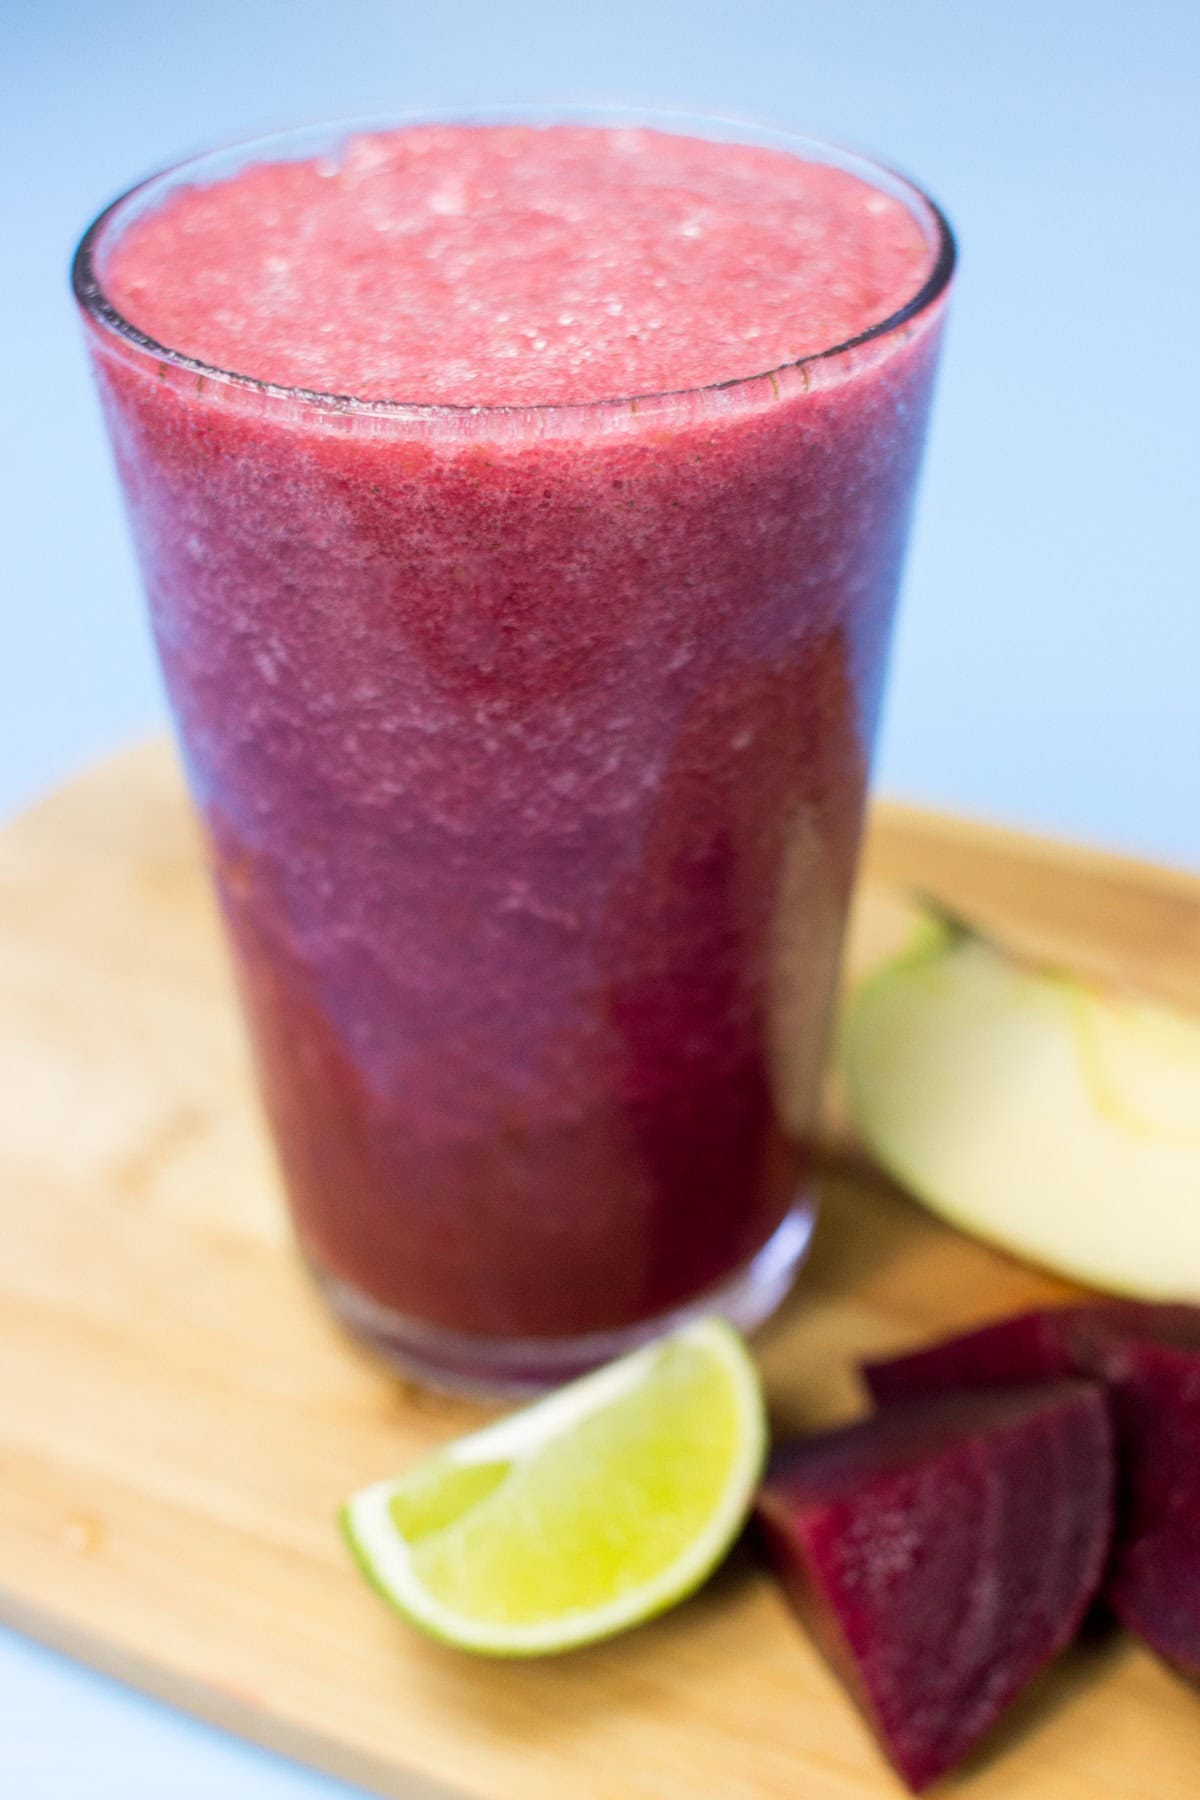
178	1416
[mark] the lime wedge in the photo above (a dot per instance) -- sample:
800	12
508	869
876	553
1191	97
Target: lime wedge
580	1515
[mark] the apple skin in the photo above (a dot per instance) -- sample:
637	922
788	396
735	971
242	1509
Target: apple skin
1053	1118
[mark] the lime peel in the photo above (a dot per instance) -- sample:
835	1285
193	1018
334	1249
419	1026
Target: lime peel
594	1509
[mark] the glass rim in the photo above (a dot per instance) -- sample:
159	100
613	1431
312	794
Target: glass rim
95	304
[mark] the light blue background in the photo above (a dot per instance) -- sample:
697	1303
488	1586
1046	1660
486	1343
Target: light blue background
1048	663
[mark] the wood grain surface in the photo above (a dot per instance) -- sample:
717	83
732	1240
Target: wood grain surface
179	1417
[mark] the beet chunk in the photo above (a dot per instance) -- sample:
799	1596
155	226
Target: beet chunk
1051	1345
942	1552
1149	1360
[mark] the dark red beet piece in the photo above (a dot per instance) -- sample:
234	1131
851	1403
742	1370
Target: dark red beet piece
942	1552
1149	1359
1051	1345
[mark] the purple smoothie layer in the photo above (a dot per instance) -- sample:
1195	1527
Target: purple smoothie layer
532	752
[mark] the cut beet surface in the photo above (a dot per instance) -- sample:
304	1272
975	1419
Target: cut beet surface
1149	1360
942	1552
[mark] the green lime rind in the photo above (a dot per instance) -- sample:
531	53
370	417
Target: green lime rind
595	1509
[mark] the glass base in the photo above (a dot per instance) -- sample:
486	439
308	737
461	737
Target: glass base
466	1363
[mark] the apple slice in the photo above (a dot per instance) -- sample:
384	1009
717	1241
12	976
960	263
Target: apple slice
942	1552
1149	1359
1057	1120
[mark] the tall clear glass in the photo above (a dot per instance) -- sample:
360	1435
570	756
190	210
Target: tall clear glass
531	746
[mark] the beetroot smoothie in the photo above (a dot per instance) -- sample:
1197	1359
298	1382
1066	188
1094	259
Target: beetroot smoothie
529	725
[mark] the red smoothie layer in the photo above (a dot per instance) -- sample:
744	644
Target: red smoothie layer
532	747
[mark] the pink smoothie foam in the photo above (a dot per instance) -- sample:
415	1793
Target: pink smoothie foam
511	266
532	744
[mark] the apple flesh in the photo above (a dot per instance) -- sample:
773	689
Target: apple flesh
942	1552
1148	1357
1053	1118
